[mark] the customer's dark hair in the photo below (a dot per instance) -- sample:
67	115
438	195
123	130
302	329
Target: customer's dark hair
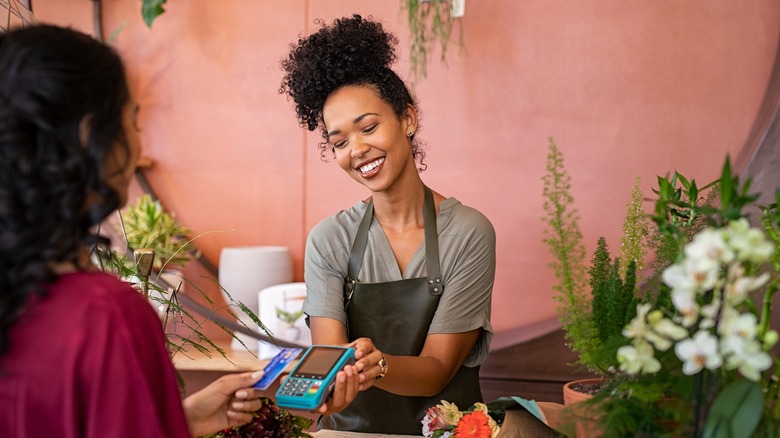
52	78
352	51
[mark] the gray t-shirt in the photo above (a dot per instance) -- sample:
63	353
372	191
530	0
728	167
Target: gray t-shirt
467	253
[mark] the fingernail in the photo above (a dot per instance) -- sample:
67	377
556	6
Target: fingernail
238	405
257	374
241	394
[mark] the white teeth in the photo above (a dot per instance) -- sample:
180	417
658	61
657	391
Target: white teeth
371	166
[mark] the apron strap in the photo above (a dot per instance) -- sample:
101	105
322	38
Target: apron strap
432	245
431	248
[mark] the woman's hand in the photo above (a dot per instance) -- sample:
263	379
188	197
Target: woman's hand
344	391
227	402
354	378
367	362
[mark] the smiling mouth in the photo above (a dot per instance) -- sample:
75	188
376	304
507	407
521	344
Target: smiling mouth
366	168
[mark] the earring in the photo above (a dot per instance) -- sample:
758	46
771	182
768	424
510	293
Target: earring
410	134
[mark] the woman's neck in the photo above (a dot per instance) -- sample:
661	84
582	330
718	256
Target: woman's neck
402	208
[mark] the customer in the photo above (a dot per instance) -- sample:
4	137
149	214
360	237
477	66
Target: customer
406	275
81	353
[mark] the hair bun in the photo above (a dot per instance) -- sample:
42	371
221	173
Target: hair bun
352	50
357	44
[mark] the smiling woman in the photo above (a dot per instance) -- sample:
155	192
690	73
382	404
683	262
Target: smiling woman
405	276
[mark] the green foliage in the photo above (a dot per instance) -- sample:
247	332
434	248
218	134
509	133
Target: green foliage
429	21
146	224
151	9
564	239
717	403
614	304
736	411
591	322
635	232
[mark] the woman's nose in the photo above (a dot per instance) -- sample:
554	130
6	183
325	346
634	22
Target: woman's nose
359	148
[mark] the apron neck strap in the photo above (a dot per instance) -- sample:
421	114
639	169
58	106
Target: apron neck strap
431	244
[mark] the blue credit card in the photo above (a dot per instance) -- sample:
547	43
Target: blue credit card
276	366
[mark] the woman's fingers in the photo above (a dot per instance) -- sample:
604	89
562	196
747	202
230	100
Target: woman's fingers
344	391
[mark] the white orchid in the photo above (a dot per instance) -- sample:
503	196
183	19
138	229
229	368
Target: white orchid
638	326
737	291
638	358
709	245
748	243
747	356
699	352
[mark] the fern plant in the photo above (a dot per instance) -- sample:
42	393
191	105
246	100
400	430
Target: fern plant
592	319
562	235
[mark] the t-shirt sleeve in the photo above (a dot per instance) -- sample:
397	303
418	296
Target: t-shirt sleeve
129	387
324	271
466	301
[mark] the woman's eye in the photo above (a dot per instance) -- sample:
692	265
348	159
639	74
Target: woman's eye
340	144
369	129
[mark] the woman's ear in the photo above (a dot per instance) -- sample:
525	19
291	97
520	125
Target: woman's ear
85	127
410	119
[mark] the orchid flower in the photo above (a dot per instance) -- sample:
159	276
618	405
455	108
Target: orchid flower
699	352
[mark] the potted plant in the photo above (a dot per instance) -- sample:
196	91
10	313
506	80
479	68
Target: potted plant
694	359
595	301
146	224
289	319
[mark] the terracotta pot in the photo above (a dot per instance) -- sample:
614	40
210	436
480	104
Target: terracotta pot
581	417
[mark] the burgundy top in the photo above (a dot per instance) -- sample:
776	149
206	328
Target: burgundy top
89	360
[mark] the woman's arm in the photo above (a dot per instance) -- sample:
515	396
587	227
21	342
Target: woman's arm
428	373
423	375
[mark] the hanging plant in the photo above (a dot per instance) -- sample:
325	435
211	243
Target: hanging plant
430	23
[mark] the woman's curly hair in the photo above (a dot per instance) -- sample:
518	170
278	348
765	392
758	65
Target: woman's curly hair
52	78
352	51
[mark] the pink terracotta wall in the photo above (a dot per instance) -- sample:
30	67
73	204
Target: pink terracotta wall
627	89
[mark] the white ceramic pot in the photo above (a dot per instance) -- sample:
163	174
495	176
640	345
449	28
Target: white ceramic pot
246	270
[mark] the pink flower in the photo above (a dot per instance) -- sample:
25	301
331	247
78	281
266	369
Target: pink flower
433	421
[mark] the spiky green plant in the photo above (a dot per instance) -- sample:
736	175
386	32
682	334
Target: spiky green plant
633	243
562	235
147	224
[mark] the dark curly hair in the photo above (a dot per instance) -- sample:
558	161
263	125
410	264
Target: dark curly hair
52	78
352	51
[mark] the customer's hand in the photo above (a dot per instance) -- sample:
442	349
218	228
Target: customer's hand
227	402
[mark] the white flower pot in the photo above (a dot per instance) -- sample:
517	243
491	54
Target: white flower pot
244	271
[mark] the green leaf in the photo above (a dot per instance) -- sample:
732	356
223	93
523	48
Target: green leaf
736	411
151	9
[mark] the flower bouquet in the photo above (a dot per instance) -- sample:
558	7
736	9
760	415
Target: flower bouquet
270	421
446	420
481	420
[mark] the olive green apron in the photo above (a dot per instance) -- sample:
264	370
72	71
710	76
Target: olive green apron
396	316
